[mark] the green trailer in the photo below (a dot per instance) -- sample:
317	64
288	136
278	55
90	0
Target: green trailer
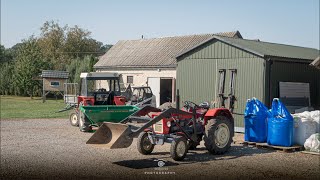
96	115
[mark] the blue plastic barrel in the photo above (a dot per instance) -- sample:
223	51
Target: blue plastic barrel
280	125
255	121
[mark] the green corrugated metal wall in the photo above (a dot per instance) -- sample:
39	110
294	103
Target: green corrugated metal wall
296	72
197	73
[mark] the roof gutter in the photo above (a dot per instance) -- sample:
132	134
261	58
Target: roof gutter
290	60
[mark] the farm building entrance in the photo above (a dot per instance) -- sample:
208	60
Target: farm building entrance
162	88
165	90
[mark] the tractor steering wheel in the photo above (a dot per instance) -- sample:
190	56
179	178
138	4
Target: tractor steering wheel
101	90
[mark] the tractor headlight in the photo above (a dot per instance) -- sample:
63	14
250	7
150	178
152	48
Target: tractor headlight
168	123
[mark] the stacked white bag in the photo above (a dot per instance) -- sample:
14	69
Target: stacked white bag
306	124
313	143
315	115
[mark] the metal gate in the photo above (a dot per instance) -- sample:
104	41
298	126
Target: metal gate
70	93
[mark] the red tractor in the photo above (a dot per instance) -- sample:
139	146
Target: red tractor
97	88
184	129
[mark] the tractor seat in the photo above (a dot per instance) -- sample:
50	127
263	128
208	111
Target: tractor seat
110	100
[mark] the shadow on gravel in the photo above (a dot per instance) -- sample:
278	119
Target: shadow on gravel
144	163
236	151
161	153
194	156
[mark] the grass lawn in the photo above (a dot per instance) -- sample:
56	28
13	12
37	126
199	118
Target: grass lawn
25	107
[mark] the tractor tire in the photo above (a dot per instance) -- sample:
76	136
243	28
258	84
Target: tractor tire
144	144
218	135
74	119
179	148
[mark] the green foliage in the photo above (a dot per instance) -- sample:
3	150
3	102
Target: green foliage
29	64
77	66
57	48
51	42
6	77
105	48
62	44
5	55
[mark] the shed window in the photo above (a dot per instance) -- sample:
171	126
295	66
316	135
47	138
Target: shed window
54	83
130	79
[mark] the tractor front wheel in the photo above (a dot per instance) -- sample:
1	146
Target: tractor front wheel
218	135
74	119
144	144
179	148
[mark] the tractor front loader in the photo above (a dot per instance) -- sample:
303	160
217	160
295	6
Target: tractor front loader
184	129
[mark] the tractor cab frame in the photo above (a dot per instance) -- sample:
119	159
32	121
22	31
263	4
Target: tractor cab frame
97	88
100	88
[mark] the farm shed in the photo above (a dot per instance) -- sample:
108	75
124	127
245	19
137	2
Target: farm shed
221	66
151	62
53	81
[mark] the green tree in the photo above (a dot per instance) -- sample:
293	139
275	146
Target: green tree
79	65
63	44
6	78
5	54
51	42
6	71
29	64
78	43
57	48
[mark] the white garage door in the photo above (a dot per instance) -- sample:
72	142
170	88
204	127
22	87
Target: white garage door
154	84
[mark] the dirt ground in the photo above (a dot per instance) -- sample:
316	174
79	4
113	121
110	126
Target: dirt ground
52	149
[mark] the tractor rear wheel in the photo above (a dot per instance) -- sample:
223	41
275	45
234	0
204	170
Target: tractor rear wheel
144	144
74	119
218	135
179	148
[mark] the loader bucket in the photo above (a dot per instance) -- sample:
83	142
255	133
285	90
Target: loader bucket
112	135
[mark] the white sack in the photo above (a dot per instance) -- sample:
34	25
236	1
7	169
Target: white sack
313	143
304	128
315	115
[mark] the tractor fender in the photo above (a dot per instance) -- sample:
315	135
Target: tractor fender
119	100
85	100
148	130
212	113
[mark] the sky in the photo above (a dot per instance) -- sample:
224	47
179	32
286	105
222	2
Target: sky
294	22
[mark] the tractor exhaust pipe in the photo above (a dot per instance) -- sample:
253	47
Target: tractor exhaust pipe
178	100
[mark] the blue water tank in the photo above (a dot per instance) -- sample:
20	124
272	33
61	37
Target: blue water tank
280	125
255	121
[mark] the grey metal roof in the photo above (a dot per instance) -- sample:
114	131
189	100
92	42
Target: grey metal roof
156	52
55	74
316	62
265	49
233	34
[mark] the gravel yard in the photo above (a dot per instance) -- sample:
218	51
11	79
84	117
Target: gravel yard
51	148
